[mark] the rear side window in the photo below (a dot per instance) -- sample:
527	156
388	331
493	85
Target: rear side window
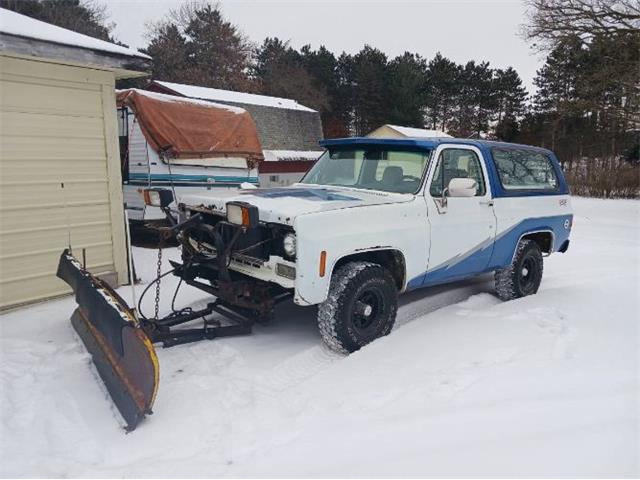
524	169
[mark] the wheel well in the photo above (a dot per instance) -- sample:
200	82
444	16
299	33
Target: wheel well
543	239
392	260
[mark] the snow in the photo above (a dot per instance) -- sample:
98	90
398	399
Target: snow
465	385
214	94
174	99
12	23
419	132
287	155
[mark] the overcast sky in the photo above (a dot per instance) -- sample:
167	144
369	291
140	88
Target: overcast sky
461	30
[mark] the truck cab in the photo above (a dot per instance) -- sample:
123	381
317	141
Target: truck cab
375	218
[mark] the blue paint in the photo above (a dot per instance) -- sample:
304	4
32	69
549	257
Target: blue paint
503	249
206	179
317	194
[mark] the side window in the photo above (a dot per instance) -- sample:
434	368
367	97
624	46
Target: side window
457	163
524	169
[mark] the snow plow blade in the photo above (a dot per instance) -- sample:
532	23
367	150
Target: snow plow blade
121	351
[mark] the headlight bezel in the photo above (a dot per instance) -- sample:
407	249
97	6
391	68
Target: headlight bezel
290	244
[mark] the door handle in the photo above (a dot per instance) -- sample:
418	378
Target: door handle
488	203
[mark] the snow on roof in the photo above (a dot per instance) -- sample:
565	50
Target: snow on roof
291	155
172	98
206	93
418	132
12	23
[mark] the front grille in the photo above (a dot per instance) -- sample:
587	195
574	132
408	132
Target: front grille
252	247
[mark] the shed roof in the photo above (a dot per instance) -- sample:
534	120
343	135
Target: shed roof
12	23
216	94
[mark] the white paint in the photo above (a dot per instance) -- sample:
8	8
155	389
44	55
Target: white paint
13	23
286	209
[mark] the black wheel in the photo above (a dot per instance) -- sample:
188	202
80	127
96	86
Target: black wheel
361	306
524	275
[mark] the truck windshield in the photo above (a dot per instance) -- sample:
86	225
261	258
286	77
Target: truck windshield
397	171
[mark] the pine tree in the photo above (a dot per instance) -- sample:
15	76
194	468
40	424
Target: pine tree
281	71
195	44
219	52
407	85
510	103
441	91
371	98
170	55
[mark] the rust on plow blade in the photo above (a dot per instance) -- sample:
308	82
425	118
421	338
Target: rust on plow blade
121	351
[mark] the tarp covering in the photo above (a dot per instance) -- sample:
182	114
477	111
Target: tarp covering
185	128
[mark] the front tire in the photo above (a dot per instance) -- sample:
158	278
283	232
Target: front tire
524	275
361	306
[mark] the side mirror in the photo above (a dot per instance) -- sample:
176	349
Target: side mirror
157	197
462	187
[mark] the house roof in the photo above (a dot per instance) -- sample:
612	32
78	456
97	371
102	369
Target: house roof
12	23
215	94
410	132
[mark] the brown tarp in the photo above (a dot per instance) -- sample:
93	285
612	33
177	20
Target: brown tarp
184	128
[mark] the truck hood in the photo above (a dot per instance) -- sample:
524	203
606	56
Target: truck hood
283	205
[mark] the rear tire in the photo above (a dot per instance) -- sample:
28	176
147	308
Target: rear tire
524	275
361	307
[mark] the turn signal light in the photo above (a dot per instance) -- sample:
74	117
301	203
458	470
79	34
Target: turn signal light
323	263
157	197
242	213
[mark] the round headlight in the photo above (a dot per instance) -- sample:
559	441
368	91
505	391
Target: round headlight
289	244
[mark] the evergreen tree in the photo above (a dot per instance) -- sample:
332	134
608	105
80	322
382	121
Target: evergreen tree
441	91
407	85
323	67
196	45
170	55
281	71
510	103
476	100
370	90
219	52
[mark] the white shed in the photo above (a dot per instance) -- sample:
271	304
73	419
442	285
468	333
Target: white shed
60	176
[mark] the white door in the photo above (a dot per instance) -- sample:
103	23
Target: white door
462	228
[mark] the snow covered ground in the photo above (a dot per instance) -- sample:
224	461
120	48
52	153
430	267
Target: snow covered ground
464	386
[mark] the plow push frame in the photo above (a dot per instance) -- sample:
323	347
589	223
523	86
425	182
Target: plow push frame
121	339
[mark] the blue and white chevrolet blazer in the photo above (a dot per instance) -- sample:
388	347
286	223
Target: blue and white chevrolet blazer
378	217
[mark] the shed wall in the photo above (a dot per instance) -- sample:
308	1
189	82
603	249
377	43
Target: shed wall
59	176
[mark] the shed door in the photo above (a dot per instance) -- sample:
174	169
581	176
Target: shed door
57	183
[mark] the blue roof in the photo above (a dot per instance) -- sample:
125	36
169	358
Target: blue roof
428	143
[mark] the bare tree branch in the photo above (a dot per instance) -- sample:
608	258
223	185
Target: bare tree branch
551	20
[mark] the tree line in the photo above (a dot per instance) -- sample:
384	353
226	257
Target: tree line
585	107
354	93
